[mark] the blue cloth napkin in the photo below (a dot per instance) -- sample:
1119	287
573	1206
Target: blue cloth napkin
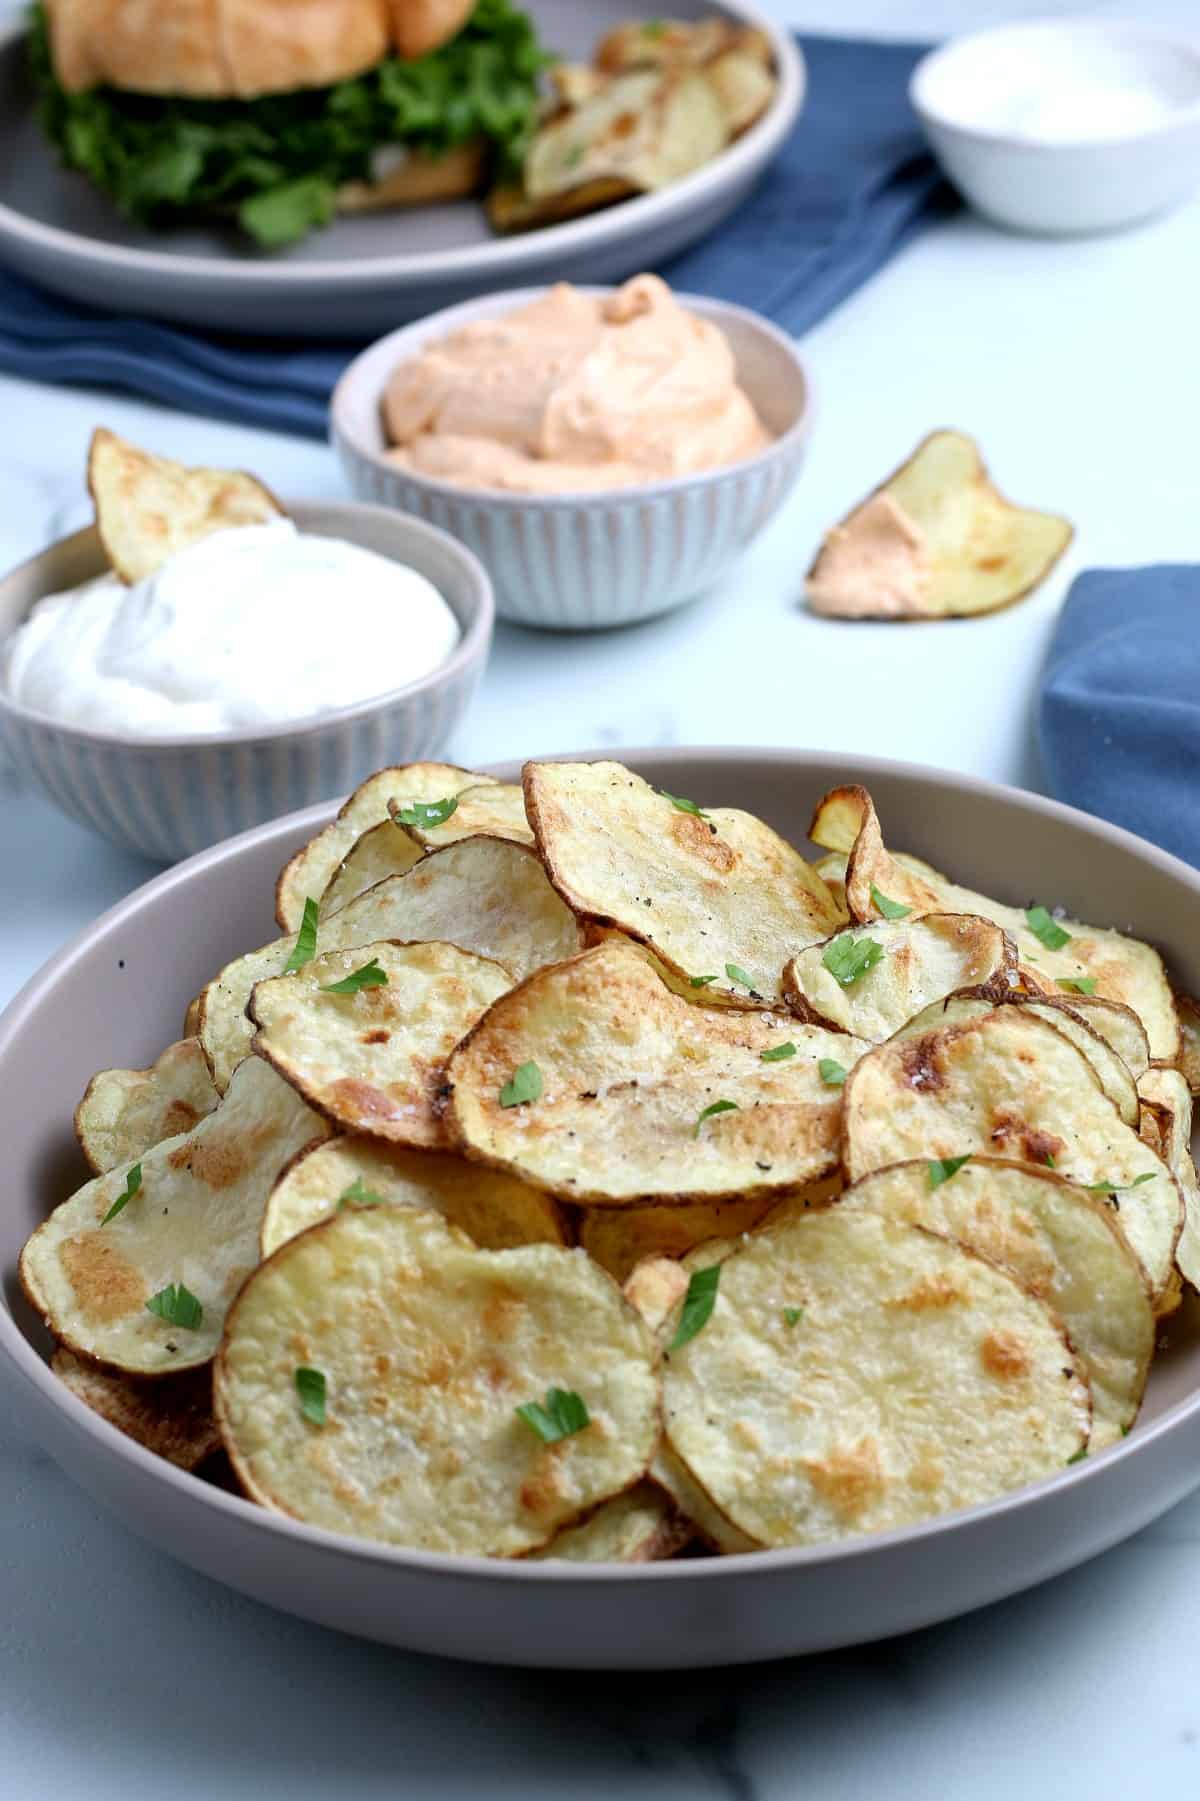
1119	712
851	185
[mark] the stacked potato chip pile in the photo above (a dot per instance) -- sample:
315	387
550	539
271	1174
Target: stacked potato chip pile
584	1174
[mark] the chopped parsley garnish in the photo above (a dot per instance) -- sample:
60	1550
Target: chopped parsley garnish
427	812
1078	984
792	1316
942	1168
831	1071
1079	1456
848	957
525	1084
563	1414
1043	925
310	1386
133	1182
683	805
739	975
305	947
889	908
654	28
717	1107
177	1305
1050	1163
1120	1187
369	976
698	1303
702	981
780	1054
359	1195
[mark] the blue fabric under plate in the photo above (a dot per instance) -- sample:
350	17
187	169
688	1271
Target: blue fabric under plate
1119	712
852	184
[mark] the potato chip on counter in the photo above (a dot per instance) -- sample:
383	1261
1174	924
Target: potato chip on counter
587	1177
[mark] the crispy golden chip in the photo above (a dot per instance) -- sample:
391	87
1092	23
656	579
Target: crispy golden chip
494	811
936	540
860	1374
1061	1243
124	1111
1189	1040
375	1061
1109	1069
385	850
625	1072
706	891
192	1218
745	87
641	1526
510	208
485	895
1123	969
653	1287
621	1238
923	960
1008	1084
171	1415
432	1348
148	508
647	128
494	1210
1167	1089
307	875
191	1017
660	43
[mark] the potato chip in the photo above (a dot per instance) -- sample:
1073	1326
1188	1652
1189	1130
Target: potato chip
641	1526
653	1287
493	1210
125	1111
423	1364
170	1415
860	1374
191	1017
190	1217
1109	1069
149	508
494	811
1167	1089
374	1061
385	850
642	1097
837	985
663	43
707	1523
718	896
1061	1243
1189	1040
1008	1084
484	894
1123	969
937	540
307	875
620	1238
645	129
745	86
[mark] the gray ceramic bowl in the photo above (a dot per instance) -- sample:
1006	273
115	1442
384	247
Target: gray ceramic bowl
171	797
116	996
576	562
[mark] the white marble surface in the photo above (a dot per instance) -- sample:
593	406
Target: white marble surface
123	1675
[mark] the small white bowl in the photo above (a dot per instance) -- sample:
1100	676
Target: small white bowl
1064	174
171	797
576	562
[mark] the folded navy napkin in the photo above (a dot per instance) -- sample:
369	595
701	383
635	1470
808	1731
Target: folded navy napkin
1119	711
851	185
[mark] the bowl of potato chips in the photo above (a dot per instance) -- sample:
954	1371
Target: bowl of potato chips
577	1221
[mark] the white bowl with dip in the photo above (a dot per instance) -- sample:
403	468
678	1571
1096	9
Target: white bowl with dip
170	793
584	558
1065	127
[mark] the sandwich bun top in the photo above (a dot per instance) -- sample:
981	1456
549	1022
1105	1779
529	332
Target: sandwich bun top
239	49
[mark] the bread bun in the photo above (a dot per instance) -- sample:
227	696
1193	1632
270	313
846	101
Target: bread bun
239	49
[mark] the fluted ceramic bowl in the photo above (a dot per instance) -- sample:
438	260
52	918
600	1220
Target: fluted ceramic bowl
171	797
575	562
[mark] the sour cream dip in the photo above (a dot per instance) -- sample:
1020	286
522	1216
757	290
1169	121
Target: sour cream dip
251	627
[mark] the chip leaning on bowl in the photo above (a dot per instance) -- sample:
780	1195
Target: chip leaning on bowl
394	1227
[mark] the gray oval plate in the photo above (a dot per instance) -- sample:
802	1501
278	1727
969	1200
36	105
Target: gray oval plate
116	996
363	275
